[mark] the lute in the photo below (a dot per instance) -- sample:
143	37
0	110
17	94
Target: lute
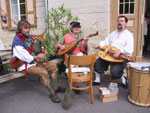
106	54
69	47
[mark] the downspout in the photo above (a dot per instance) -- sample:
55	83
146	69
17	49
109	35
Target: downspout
46	12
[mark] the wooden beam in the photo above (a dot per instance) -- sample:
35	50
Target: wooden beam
140	37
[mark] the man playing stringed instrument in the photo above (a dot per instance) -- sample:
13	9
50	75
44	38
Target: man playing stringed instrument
81	48
22	48
121	39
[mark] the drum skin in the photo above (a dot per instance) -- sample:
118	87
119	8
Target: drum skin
139	86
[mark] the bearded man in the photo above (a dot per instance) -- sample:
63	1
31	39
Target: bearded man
121	39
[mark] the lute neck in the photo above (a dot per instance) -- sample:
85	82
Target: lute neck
128	58
91	35
79	40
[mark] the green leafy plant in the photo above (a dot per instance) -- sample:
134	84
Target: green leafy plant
58	21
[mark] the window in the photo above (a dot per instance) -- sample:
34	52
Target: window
18	12
126	6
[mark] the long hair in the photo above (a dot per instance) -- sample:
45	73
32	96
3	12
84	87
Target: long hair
21	24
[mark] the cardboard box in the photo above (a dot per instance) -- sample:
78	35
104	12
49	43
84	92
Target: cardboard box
108	97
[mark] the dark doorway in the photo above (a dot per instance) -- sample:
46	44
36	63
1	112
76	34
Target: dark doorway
146	47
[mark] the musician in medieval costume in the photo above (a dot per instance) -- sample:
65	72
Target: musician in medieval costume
74	35
121	39
81	48
22	47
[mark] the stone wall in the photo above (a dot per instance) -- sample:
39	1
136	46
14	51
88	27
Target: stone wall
94	16
7	36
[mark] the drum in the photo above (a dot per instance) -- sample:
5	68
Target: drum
139	84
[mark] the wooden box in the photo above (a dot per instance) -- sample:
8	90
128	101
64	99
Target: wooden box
108	97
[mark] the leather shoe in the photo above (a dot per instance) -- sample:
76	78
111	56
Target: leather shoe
125	86
54	98
96	83
60	90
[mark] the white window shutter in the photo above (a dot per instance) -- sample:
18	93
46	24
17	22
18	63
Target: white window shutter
5	13
31	12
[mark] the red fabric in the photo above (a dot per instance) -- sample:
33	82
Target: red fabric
23	38
70	38
30	50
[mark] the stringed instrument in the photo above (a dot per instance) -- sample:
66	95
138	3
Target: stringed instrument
106	54
69	47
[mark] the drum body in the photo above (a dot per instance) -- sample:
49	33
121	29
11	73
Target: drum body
139	86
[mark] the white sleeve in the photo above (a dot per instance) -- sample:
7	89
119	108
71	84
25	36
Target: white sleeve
105	42
22	54
128	49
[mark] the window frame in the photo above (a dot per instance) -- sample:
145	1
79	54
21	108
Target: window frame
19	12
6	11
123	3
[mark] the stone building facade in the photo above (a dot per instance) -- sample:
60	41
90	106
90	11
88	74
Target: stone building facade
94	15
7	35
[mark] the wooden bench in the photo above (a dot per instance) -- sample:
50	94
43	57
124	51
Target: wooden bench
14	75
10	76
5	56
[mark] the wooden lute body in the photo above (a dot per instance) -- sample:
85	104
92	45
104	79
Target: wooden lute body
106	54
69	47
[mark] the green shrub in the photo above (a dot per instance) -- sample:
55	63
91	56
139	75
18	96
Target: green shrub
58	21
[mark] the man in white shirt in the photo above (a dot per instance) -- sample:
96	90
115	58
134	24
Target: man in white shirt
121	39
22	47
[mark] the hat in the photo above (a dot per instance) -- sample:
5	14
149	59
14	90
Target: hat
75	24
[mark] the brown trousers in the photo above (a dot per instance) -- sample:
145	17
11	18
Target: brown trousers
42	70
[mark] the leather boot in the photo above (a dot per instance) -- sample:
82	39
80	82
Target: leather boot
54	98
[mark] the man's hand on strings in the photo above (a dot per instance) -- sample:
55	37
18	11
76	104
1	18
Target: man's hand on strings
116	54
62	47
97	46
85	39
